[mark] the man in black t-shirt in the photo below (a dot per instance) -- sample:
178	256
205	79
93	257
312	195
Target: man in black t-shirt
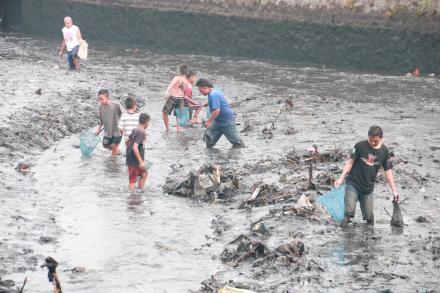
367	158
135	153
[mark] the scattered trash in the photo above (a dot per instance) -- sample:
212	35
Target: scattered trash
268	133
303	205
260	228
333	202
396	219
24	168
288	104
291	131
265	194
208	184
78	270
245	249
46	239
313	150
211	285
422	219
38	92
247	127
233	290
283	178
294	248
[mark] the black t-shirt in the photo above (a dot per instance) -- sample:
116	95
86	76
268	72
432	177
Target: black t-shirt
136	136
367	162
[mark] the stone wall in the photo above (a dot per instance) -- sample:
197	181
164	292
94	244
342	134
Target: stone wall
355	12
339	36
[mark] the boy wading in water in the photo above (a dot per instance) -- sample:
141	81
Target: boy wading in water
175	94
136	153
188	92
130	119
71	40
222	119
109	114
367	158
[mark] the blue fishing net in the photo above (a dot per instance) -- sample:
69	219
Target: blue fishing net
333	202
88	142
182	115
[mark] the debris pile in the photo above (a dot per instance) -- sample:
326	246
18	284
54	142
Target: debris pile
242	249
209	184
212	285
264	194
248	248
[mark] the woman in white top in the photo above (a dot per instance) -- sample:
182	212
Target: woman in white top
71	40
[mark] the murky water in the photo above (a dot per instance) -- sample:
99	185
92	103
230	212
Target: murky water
151	242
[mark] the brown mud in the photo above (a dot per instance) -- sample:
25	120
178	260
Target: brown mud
79	211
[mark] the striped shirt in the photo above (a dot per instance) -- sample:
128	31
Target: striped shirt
128	122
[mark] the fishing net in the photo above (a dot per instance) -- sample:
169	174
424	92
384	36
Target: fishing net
148	164
88	142
333	202
182	115
396	219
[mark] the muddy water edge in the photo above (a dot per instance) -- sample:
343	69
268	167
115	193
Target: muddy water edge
79	211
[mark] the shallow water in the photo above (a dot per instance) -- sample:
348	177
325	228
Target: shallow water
151	242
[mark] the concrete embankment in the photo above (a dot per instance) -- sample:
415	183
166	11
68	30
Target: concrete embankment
388	36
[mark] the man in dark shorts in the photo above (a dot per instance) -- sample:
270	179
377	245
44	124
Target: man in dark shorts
136	153
109	114
367	158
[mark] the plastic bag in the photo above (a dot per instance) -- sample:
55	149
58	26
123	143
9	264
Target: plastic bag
333	202
88	142
83	50
396	219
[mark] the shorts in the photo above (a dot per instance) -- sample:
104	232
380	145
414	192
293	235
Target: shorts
71	55
108	141
171	104
134	172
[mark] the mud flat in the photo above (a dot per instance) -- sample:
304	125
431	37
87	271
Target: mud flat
79	211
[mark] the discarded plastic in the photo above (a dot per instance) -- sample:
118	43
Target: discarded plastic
303	203
333	202
182	115
233	290
88	142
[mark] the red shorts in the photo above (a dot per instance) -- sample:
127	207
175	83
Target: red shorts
134	172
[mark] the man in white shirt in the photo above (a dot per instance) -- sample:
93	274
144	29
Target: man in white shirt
71	40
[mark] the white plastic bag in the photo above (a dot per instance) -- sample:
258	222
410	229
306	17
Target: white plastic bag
83	49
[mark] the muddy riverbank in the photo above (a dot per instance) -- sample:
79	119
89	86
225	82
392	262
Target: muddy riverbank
79	211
